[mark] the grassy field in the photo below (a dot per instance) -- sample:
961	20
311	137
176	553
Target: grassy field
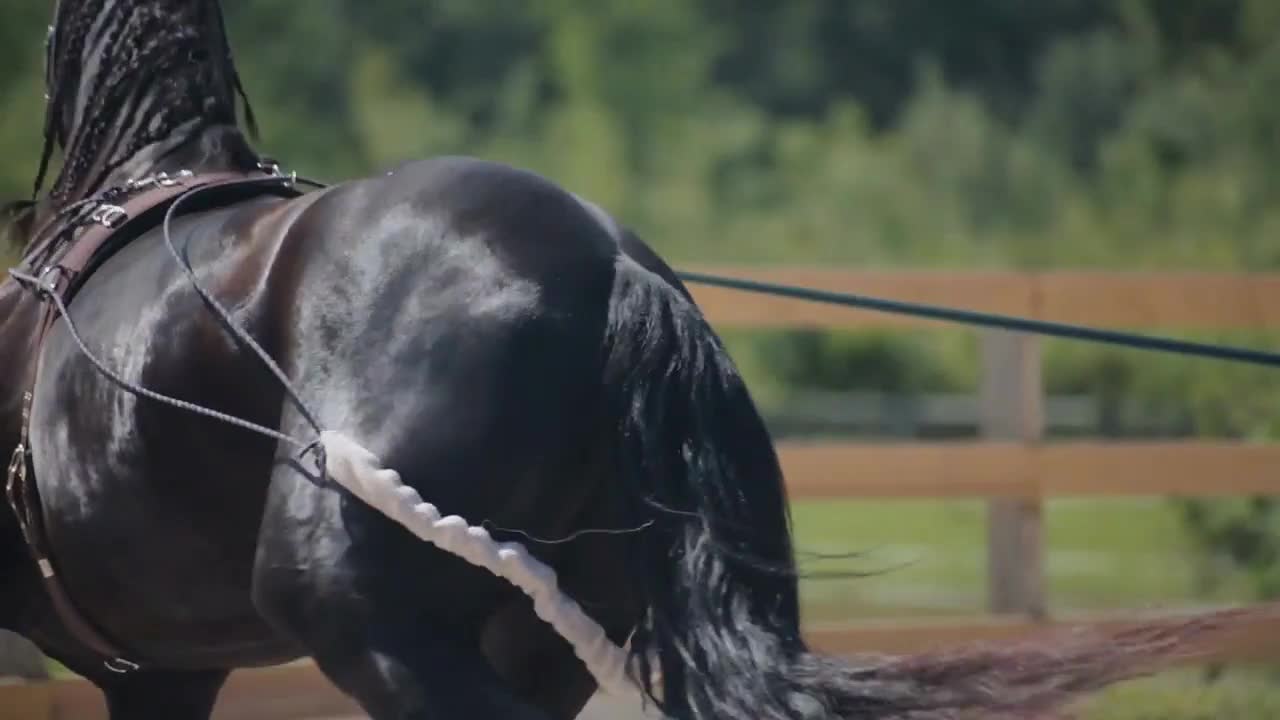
929	557
1186	695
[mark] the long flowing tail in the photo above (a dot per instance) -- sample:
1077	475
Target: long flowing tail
716	573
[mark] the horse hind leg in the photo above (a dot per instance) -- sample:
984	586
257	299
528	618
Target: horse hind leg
371	618
528	652
421	676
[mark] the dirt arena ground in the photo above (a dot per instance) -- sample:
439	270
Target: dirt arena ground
598	709
602	709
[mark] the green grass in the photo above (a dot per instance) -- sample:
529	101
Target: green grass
1116	554
929	557
1242	694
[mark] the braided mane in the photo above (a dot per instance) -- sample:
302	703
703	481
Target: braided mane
125	75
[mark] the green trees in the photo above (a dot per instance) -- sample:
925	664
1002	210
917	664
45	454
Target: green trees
1055	132
1111	133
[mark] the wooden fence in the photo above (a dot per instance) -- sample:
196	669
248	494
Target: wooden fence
1011	466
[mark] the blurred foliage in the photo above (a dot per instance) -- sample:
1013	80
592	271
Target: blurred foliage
1078	132
1084	133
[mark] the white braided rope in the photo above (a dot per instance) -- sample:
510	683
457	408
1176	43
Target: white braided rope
359	470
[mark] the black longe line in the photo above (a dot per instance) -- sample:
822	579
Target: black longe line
1004	322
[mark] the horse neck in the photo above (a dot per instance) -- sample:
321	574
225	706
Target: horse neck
19	313
14	362
213	148
140	87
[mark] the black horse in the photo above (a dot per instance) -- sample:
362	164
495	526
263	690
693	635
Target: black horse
518	356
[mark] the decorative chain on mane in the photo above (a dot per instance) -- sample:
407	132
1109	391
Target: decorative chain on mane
125	74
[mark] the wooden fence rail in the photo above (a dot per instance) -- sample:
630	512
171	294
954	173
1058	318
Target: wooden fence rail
1011	467
1152	300
1011	470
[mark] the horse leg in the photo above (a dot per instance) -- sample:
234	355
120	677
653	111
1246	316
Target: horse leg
148	694
421	676
396	670
402	646
530	654
162	695
142	695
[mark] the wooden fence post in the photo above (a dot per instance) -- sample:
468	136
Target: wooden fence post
1012	396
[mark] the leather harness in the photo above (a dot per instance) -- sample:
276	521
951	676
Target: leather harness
64	264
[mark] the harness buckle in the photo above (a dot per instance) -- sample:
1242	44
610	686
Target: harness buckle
17	474
17	470
47	280
14	487
269	166
166	180
160	179
120	665
110	216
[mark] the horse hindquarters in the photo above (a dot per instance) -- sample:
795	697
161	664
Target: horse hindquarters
399	626
484	417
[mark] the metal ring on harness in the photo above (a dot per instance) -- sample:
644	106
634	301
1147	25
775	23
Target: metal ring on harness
120	666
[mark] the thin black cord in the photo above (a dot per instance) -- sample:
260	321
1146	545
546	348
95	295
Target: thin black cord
570	537
225	316
138	389
312	446
1004	322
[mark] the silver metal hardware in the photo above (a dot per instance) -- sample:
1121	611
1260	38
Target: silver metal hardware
120	665
111	216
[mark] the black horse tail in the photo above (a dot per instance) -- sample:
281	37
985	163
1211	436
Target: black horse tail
715	572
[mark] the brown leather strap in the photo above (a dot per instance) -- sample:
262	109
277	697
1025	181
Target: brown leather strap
23	498
116	219
62	274
21	490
